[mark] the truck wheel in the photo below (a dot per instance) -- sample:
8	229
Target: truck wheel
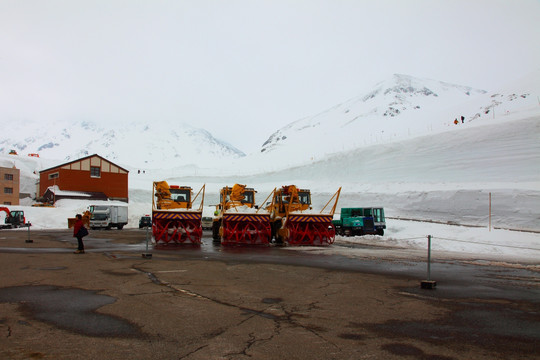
120	227
380	232
275	227
215	230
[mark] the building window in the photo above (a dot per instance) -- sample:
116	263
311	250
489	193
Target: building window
8	190
95	171
54	176
8	177
7	202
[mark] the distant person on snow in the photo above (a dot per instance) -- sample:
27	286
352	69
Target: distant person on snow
462	119
79	231
456	122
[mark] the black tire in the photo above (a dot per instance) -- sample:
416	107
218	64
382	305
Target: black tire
215	230
275	227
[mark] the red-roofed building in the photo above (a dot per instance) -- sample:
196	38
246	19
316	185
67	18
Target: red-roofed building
91	174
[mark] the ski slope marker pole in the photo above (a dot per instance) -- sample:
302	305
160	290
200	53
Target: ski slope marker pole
29	240
428	284
147	255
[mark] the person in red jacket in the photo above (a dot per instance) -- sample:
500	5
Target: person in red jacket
77	233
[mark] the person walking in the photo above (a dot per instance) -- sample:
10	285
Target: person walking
79	231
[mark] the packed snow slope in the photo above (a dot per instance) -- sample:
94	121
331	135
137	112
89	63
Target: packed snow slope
445	177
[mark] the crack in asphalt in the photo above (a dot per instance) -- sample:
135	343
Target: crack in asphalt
288	317
192	352
157	281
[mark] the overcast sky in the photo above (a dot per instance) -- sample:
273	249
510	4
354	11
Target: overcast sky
242	69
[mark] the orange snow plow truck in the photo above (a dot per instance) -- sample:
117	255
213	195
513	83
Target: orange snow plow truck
173	219
238	221
295	223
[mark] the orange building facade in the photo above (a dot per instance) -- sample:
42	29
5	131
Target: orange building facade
89	174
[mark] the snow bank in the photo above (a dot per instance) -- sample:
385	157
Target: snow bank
244	209
408	239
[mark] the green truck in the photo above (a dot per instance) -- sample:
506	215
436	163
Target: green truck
360	221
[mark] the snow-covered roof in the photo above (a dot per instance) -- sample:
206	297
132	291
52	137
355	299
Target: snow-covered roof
58	192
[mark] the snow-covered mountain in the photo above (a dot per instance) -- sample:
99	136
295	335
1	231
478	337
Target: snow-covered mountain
400	108
394	108
151	145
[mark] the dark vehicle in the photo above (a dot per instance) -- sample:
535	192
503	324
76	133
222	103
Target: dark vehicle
14	219
145	221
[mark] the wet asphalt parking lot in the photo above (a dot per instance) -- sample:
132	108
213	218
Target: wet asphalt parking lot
487	306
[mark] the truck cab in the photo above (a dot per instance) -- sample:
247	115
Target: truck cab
14	219
361	221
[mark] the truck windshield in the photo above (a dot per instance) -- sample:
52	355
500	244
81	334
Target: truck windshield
249	197
378	215
93	208
304	198
180	195
99	217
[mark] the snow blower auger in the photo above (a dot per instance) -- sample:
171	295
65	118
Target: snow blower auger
238	220
294	222
173	219
245	229
310	229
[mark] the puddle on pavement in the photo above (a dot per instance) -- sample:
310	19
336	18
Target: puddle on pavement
69	309
492	326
